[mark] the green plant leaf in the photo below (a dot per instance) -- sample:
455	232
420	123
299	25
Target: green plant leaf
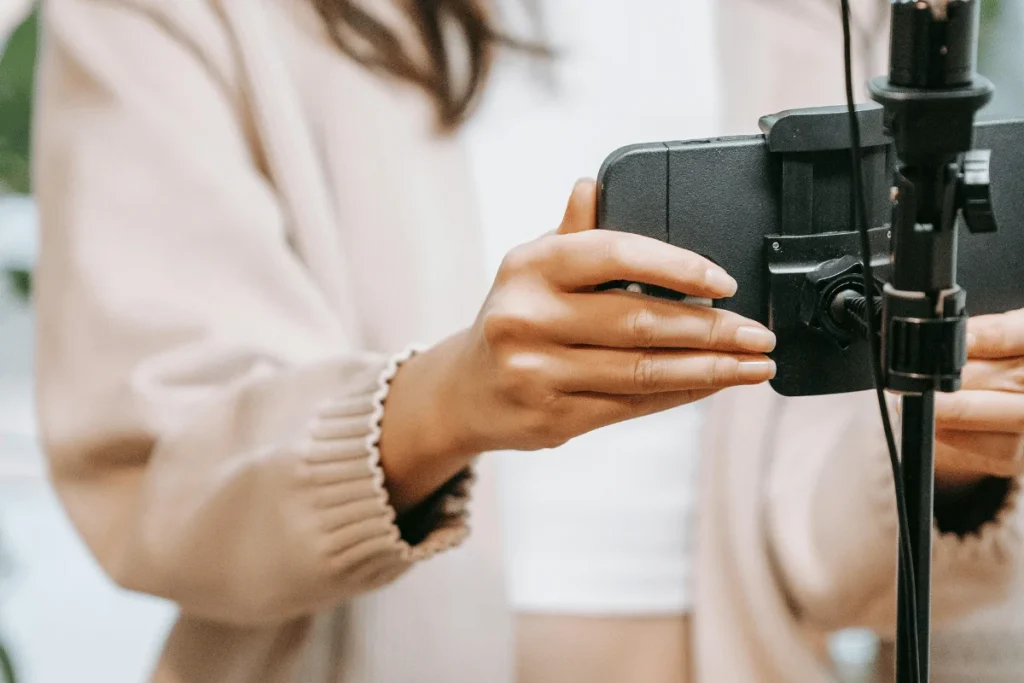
990	10
17	77
6	667
21	283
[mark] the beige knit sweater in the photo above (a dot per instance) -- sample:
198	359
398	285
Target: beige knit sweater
242	231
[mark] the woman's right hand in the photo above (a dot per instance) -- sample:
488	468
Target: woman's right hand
549	358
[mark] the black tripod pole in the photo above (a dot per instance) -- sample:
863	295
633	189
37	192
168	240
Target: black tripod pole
918	482
931	96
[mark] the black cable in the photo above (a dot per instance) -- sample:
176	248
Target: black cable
860	209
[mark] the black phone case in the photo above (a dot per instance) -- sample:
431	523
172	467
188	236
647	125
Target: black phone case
768	208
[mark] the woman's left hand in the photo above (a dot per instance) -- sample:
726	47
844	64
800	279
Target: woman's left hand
980	429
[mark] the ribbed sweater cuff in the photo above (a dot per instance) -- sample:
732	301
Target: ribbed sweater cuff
997	541
361	541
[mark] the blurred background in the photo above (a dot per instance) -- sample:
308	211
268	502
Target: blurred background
60	619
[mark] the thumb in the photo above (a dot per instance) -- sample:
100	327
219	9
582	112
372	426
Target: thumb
581	212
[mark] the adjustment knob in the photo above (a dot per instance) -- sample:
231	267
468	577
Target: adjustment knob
976	192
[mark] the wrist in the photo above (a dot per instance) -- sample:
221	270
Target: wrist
422	445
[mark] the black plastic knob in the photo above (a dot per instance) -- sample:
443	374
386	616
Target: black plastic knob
976	192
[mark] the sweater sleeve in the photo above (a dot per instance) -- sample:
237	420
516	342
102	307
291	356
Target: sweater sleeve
211	428
832	523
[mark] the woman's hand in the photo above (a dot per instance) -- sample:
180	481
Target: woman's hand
549	358
980	429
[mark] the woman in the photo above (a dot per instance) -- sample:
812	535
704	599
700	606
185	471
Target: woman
247	214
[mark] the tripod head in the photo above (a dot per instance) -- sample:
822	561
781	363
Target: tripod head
931	97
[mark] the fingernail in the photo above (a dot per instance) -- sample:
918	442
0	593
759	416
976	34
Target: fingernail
720	281
755	339
756	370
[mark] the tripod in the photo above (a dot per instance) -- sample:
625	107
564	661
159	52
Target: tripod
931	97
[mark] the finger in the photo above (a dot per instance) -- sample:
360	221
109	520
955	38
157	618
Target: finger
980	453
618	371
607	409
625	320
587	259
581	212
996	336
980	411
995	375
